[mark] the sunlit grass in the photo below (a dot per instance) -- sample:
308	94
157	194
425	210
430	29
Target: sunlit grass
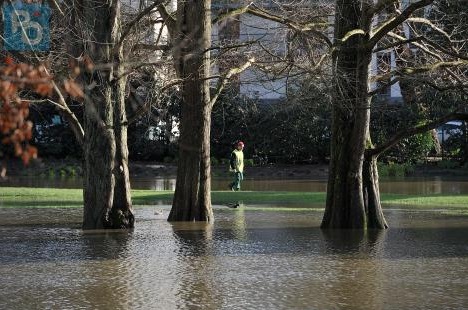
52	197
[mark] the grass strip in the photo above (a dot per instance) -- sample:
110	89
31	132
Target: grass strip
52	197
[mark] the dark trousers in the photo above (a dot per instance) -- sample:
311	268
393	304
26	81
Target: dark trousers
236	184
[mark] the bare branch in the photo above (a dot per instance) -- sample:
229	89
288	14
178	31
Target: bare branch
447	51
432	67
132	24
69	115
379	6
431	25
224	80
230	47
56	6
146	107
459	86
394	22
352	33
255	11
232	13
151	47
379	89
169	20
422	47
458	114
421	69
398	43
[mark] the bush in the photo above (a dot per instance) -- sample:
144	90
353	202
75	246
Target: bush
168	159
385	123
394	169
249	162
214	161
448	164
292	130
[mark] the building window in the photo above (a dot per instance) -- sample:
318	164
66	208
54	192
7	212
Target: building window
384	66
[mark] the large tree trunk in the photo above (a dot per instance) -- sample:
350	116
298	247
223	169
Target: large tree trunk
192	197
375	216
121	213
350	120
106	185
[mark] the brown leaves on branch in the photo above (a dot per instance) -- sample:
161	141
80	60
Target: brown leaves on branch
15	129
14	126
73	89
76	66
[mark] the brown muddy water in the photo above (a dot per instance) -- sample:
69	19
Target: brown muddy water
260	258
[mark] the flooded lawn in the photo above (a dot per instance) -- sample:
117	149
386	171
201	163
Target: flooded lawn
248	259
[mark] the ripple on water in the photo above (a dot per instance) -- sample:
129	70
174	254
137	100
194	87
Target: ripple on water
246	260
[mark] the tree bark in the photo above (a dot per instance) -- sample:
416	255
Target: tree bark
107	201
122	212
374	213
350	119
192	197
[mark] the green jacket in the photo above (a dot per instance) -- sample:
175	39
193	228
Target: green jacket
237	161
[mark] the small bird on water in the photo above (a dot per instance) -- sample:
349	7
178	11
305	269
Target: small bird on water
233	206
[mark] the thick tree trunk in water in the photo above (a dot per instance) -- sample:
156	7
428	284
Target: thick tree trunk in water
121	213
192	197
375	217
351	114
106	185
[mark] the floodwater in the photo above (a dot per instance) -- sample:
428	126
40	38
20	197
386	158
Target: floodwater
248	259
420	186
254	257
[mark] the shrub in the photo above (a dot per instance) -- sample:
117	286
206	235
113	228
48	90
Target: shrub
168	159
214	161
394	169
447	164
249	162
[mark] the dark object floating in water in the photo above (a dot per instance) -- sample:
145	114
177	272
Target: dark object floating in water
233	206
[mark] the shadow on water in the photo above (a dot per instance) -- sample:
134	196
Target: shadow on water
363	250
109	252
240	237
106	244
353	241
246	259
195	266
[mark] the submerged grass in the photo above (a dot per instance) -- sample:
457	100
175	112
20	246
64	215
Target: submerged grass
52	197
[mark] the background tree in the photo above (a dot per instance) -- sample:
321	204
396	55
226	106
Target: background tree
190	32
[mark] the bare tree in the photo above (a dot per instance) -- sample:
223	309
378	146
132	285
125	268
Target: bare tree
353	199
361	29
190	32
107	202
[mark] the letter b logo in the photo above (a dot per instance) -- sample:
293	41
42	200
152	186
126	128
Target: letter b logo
26	27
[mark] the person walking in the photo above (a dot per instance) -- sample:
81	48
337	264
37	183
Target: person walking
236	165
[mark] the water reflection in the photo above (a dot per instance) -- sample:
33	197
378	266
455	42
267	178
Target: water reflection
358	283
195	265
420	186
109	252
247	259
